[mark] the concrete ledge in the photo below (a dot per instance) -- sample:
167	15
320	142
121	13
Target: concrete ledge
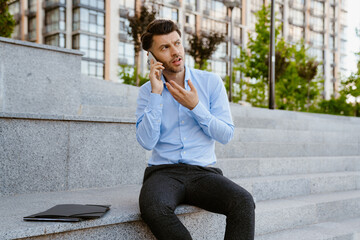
75	118
272	216
41	46
47	155
123	201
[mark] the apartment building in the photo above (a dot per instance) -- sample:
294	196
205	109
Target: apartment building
99	29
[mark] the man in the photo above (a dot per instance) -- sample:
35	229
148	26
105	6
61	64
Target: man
180	114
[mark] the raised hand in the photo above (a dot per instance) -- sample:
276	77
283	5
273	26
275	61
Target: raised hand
157	85
188	99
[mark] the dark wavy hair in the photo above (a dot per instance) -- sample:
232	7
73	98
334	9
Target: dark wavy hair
157	27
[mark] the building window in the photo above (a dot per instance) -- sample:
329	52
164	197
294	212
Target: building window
237	15
99	4
32	29
343	45
126	54
92	69
317	53
237	35
332	12
298	4
332	42
219	67
127	4
317	7
189	60
332	27
296	17
92	46
192	3
295	33
89	20
56	40
219	10
221	51
316	24
256	5
190	20
317	39
169	13
14	9
279	11
55	20
32	5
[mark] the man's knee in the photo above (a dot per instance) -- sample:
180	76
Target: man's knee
243	202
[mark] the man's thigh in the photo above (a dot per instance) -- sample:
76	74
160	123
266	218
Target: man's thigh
161	189
216	193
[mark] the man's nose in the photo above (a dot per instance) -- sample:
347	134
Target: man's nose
175	51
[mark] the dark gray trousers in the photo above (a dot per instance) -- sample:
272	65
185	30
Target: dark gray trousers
166	186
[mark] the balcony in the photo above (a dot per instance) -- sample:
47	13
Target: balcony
123	37
188	29
48	5
122	61
317	13
189	7
31	36
123	12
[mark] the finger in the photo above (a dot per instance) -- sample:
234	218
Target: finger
177	86
191	85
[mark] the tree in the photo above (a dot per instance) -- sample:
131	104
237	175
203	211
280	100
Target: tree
352	88
203	45
295	71
137	26
7	22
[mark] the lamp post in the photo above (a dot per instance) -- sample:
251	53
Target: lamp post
272	59
231	4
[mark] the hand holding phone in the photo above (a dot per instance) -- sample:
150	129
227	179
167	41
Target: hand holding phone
155	74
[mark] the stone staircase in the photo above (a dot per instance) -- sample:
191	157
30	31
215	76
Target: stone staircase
77	145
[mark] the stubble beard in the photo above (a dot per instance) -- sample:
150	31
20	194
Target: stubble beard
175	69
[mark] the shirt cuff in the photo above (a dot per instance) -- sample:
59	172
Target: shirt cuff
201	114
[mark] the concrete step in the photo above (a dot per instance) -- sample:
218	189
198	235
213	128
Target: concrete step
123	220
280	187
273	149
277	215
252	167
339	230
264	113
246	135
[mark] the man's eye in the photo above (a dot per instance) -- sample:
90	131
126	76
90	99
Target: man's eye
178	43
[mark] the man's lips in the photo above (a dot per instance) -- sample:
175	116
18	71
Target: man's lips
177	61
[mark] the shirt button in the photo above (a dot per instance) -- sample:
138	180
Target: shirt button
184	138
161	104
184	152
182	122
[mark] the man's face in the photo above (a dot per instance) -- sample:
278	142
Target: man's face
169	50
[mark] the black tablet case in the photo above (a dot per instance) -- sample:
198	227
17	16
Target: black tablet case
70	213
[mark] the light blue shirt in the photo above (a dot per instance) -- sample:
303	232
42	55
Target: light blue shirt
176	134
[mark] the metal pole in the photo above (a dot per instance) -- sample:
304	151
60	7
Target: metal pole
231	55
272	60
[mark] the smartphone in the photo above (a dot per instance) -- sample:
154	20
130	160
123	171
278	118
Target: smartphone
151	56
